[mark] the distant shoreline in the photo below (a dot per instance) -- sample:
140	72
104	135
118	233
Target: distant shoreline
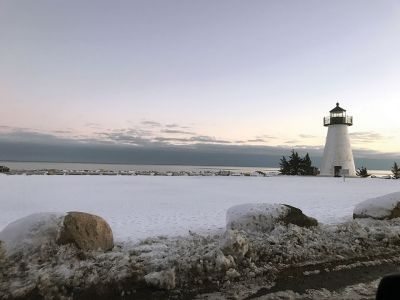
63	168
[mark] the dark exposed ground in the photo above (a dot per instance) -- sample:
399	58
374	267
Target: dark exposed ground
331	276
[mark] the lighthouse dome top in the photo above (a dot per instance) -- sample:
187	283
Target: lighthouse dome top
337	109
338	116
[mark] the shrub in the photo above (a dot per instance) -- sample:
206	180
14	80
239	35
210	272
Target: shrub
4	169
362	172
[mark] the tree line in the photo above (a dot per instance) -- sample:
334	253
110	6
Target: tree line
297	165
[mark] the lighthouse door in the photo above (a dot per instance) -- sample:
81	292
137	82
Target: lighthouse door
337	171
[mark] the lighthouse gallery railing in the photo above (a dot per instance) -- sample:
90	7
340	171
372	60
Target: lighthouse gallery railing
347	120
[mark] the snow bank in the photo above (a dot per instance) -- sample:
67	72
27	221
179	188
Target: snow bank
32	231
179	268
383	207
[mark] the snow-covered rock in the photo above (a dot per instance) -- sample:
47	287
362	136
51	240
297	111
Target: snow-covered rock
262	217
32	231
164	280
86	231
383	207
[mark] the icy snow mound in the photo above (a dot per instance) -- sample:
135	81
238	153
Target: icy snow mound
383	207
254	217
31	232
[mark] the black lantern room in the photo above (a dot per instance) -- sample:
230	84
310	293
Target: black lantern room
338	116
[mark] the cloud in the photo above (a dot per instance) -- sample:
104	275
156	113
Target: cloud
93	125
131	137
63	131
193	139
208	139
151	123
18	135
367	136
171	139
132	145
307	136
174	125
177	131
136	131
292	142
258	140
265	136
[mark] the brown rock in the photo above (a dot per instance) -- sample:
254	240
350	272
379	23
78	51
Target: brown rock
86	231
295	216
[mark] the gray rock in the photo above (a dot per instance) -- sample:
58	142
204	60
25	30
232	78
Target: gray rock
86	232
295	216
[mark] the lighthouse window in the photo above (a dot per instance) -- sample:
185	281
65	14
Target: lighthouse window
337	115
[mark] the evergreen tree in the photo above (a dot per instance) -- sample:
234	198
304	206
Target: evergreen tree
306	166
284	166
362	172
396	171
296	165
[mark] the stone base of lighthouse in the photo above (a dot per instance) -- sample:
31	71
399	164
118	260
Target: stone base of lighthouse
337	152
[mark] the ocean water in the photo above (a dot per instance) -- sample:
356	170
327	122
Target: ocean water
128	167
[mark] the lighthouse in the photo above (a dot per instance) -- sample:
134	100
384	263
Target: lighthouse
338	157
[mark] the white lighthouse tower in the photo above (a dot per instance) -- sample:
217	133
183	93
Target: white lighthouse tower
338	157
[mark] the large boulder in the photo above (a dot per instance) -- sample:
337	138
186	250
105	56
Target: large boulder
86	231
380	208
262	217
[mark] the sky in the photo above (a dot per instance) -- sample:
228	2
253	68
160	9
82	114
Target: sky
252	76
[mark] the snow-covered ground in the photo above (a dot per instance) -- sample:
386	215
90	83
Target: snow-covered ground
137	207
